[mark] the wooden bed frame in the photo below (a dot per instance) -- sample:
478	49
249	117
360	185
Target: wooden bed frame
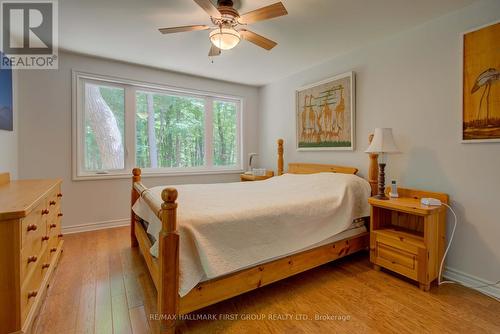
164	270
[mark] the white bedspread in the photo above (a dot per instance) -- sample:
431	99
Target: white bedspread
225	227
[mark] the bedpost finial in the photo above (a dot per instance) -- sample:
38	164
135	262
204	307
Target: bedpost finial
280	156
373	169
136	172
169	195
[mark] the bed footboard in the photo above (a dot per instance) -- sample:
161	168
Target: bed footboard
165	268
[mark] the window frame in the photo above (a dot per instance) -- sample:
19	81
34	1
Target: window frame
130	88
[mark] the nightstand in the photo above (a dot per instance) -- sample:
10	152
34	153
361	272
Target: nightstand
407	237
250	177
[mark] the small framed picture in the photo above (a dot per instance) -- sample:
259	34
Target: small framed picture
6	117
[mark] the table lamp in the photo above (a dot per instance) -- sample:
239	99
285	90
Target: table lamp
382	143
250	163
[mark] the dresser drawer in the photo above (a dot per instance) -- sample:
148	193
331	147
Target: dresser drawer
54	227
31	286
54	197
52	249
30	258
34	236
397	260
33	227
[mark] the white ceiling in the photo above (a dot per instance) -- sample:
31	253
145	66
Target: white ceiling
312	32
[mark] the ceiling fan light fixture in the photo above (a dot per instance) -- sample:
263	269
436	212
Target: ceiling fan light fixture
225	38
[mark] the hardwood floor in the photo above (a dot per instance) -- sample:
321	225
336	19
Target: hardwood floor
102	286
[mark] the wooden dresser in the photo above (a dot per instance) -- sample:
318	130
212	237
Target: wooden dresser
30	247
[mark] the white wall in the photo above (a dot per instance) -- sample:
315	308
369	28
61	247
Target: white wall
45	135
8	139
411	82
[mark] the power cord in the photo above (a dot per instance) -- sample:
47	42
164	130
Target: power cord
446	252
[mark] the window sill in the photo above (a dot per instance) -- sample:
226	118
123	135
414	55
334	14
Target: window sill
151	174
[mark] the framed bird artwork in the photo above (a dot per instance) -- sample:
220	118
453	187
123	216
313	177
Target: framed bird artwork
481	84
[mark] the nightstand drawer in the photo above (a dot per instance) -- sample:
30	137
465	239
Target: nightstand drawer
399	240
397	260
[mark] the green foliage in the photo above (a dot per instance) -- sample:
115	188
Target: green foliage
178	127
225	140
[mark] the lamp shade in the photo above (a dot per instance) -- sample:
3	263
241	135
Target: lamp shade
383	142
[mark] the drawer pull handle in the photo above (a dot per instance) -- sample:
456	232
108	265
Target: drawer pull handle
59	195
52	225
59	215
32	227
32	294
32	259
52	203
45	265
45	212
60	236
45	238
52	250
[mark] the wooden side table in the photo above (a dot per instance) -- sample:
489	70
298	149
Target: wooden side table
407	237
250	177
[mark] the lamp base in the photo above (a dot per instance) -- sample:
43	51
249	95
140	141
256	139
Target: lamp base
383	197
381	182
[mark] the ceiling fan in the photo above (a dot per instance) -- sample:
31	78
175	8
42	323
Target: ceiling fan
224	35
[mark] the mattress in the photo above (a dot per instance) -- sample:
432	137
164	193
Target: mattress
231	226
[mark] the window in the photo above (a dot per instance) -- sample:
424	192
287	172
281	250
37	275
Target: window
120	125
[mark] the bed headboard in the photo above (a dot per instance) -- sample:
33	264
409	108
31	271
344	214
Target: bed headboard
307	168
310	168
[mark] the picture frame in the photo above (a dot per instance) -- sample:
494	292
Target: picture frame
325	114
6	100
476	126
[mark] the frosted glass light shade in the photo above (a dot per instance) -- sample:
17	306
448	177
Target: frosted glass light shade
225	38
383	142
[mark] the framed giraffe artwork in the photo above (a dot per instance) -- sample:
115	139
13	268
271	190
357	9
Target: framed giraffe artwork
325	113
481	84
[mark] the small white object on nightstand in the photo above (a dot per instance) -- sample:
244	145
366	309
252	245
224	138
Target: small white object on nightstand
394	189
430	201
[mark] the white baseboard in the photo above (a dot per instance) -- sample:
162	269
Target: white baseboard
472	281
95	226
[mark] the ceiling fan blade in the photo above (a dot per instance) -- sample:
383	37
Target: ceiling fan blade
183	29
214	51
264	13
208	7
257	39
